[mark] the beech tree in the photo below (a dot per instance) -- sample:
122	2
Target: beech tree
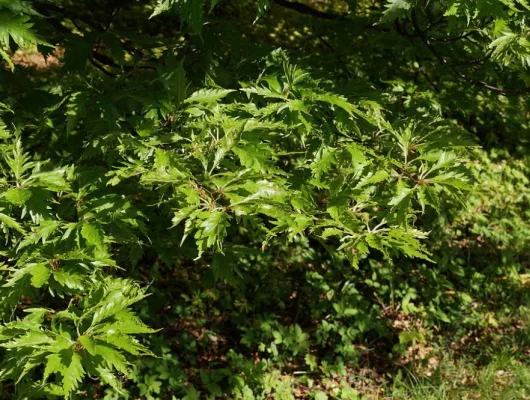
170	151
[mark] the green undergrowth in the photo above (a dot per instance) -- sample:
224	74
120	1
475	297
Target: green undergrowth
472	341
254	200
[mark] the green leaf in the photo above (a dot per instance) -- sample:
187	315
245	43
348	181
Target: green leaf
378	177
45	230
72	278
401	201
116	300
192	394
255	156
321	396
212	230
93	234
18	196
109	378
124	342
173	76
53	365
406	337
324	161
127	323
453	180
113	358
88	344
30	340
73	371
190	11
208	95
396	9
51	180
40	274
11	223
17	28
19	7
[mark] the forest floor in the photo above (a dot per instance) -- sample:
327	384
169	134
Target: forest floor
487	358
490	362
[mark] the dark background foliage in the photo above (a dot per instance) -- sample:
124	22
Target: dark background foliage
254	199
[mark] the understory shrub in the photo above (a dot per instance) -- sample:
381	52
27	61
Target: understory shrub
191	208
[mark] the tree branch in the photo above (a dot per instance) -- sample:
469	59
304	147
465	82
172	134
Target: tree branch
305	9
98	60
452	39
101	68
421	71
426	41
68	13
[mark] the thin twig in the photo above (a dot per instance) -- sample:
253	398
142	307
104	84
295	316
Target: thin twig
305	9
101	68
443	61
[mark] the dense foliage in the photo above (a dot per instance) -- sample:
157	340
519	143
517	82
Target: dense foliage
208	199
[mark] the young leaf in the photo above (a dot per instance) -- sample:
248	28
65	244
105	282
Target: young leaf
93	234
17	196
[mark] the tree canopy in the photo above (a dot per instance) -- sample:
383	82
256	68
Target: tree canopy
232	188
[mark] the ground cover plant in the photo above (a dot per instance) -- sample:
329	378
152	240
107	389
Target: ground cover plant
264	199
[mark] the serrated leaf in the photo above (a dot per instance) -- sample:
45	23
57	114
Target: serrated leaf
328	232
93	234
456	181
73	371
51	180
53	365
88	344
255	156
127	323
70	278
40	274
212	229
17	196
19	7
45	230
396	9
117	300
323	162
11	223
401	196
173	76
113	358
31	339
16	27
109	378
378	177
208	95
125	342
